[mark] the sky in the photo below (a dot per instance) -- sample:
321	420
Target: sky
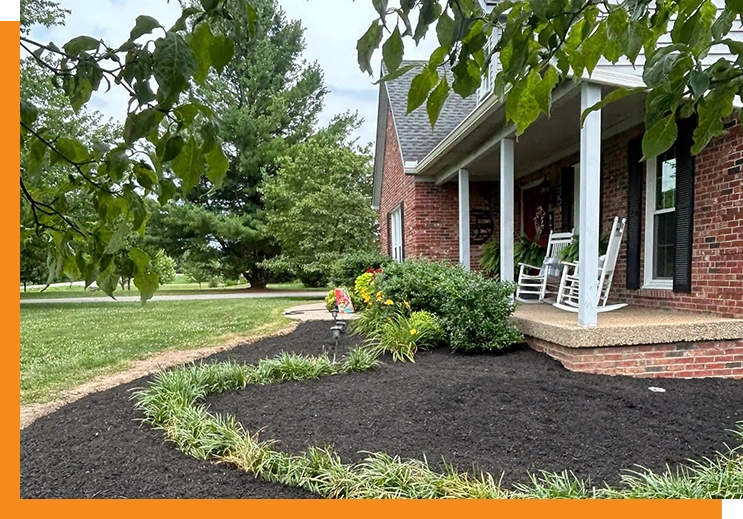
331	30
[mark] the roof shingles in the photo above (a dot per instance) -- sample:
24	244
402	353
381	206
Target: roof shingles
414	132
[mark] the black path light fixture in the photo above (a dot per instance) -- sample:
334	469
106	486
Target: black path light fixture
338	328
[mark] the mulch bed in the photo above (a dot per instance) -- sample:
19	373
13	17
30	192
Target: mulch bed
513	412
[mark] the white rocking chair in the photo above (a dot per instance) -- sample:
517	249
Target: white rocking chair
536	282
567	293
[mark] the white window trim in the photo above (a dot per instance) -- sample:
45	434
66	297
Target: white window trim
396	230
576	197
651	169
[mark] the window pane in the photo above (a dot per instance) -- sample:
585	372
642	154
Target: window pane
665	245
665	186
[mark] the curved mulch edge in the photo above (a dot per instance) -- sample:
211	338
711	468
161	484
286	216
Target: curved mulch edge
140	368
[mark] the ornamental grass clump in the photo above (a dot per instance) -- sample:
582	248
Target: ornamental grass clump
402	334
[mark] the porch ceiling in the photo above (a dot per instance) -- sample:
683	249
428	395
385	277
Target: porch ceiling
547	140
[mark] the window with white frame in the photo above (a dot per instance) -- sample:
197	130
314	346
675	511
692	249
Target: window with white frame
488	78
395	231
660	221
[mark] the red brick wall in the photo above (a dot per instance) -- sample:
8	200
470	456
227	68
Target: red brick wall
682	360
396	188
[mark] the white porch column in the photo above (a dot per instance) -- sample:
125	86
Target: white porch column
506	209
464	218
590	194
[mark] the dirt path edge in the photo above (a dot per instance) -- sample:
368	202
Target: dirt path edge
140	368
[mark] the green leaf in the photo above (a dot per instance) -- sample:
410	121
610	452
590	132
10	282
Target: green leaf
167	191
107	281
35	160
200	44
438	57
723	24
699	83
593	48
430	10
189	165
147	284
180	23
117	240
218	166
397	73
436	101
81	44
145	175
660	137
712	110
366	46
118	162
71	149
392	50
173	147
381	7
421	85
445	30
139	125
29	113
467	77
144	25
221	52
543	90
140	259
614	95
173	64
209	5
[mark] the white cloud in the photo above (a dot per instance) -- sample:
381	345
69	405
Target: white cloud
331	30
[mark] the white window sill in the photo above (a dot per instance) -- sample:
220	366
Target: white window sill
658	285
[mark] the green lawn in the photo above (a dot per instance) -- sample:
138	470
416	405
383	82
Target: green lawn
180	287
66	345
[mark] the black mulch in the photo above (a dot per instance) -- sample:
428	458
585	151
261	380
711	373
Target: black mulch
512	412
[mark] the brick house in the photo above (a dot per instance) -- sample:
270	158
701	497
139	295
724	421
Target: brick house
470	176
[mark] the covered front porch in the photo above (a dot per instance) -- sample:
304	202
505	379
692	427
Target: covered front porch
492	152
643	342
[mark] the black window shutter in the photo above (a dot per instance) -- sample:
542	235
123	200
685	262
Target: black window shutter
566	190
684	206
634	212
402	230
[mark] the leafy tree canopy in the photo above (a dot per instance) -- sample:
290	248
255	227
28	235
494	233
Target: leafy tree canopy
169	139
318	204
543	42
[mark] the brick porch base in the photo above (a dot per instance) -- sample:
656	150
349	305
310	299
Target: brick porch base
679	360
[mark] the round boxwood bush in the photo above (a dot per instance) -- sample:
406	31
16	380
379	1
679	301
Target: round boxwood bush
475	315
425	284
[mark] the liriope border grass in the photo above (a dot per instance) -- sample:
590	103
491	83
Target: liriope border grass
174	403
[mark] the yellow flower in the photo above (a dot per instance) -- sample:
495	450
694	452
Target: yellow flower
413	331
389	302
407	305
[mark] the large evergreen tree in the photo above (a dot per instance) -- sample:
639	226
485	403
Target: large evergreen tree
268	98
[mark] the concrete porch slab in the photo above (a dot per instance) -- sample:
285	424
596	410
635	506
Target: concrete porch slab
623	327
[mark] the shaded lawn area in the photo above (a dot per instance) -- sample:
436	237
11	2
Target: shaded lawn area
66	345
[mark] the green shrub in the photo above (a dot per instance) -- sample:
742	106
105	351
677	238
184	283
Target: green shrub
570	253
350	266
371	318
330	300
312	277
401	335
423	283
490	257
475	315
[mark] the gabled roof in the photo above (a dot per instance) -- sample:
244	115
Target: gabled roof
414	131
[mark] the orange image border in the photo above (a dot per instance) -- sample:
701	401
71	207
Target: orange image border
9	141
